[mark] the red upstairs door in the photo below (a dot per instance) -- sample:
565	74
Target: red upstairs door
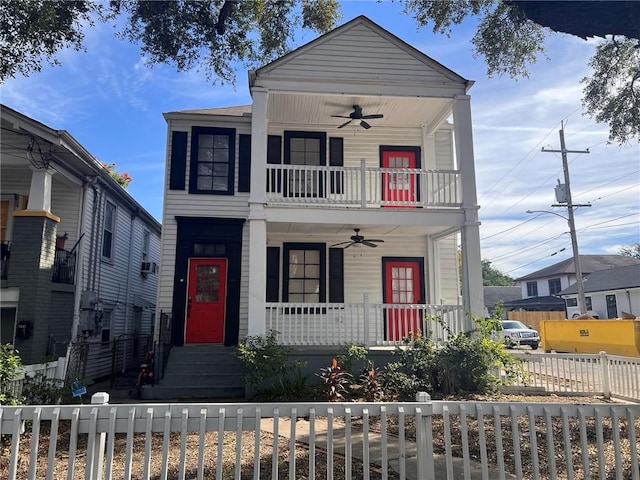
402	286
206	297
399	190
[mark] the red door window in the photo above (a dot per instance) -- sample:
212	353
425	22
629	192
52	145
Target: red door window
403	286
399	189
206	296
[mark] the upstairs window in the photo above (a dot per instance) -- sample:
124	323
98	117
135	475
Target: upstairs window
554	286
145	245
212	160
532	289
108	231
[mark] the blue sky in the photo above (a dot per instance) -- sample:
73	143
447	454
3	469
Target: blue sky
112	103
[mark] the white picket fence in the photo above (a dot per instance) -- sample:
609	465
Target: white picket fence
583	374
418	440
55	370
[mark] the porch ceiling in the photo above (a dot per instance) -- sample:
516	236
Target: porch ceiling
306	109
346	230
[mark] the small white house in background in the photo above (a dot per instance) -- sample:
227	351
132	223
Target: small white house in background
330	209
612	293
551	280
78	252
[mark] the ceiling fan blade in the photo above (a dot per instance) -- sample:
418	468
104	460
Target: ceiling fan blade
341	243
374	115
344	124
340	116
365	125
374	240
369	244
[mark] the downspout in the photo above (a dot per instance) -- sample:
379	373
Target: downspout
82	215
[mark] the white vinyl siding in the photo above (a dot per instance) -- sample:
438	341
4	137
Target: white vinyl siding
360	52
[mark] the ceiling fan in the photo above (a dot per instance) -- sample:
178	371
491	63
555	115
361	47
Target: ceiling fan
358	239
357	115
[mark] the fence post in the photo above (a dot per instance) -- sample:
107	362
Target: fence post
424	444
363	183
367	340
606	381
99	398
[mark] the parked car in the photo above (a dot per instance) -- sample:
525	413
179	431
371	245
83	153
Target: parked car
517	333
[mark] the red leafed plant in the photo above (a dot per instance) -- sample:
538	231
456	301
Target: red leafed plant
124	179
336	381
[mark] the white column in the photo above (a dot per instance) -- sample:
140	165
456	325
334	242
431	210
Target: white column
258	145
40	190
257	272
472	295
257	216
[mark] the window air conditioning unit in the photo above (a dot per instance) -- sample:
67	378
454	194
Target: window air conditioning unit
148	267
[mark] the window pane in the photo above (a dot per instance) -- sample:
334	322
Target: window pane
297	144
205	155
106	244
205	169
205	141
312	257
221	141
312	286
296	286
312	145
312	298
296	298
221	169
312	271
221	155
204	183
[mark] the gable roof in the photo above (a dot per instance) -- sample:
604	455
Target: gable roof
359	33
610	279
588	264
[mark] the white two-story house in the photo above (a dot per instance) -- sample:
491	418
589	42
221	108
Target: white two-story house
79	254
333	209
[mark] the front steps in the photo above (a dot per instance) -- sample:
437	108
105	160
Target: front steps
199	372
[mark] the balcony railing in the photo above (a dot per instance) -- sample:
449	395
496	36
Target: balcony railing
363	187
363	323
64	266
5	253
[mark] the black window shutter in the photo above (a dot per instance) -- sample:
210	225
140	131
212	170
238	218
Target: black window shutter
273	273
177	174
336	275
336	159
244	162
274	157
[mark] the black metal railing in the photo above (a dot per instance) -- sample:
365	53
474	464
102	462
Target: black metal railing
64	266
5	252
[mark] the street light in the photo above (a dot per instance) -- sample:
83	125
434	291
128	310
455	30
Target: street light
582	305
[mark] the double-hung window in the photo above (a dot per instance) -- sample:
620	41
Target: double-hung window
304	273
305	150
108	231
532	289
212	160
554	286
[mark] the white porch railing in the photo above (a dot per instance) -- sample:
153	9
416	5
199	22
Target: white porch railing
364	187
55	370
365	323
418	440
584	374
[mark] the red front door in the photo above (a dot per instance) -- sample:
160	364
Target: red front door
402	286
399	189
206	296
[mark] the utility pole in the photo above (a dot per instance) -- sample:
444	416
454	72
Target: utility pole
570	219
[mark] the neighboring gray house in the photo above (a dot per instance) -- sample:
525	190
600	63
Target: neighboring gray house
79	254
553	279
494	295
331	208
611	292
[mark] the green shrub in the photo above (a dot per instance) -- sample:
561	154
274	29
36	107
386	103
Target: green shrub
268	367
10	363
40	390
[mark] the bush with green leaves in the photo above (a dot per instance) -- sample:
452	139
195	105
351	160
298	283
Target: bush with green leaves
269	370
465	363
40	390
10	364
